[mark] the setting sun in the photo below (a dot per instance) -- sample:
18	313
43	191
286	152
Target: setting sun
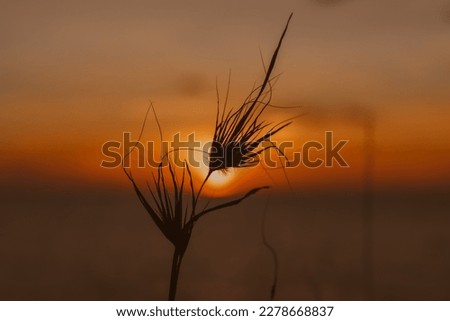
219	183
219	179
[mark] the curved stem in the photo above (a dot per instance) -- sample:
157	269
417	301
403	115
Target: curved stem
367	210
272	251
194	205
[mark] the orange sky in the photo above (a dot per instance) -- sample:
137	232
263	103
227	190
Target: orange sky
76	75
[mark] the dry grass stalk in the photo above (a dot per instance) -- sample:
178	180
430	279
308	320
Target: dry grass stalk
171	203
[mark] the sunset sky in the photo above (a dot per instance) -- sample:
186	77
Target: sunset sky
77	74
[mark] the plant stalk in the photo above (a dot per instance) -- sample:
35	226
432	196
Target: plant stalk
176	265
367	209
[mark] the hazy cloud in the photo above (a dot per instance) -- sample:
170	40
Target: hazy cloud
330	2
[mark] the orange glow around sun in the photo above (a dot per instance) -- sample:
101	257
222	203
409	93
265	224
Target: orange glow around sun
219	184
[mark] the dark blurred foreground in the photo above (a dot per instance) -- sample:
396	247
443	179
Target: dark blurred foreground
86	245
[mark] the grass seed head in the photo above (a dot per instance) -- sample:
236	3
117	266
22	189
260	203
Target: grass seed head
238	133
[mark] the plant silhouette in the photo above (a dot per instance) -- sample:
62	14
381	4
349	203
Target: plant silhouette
171	198
171	203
